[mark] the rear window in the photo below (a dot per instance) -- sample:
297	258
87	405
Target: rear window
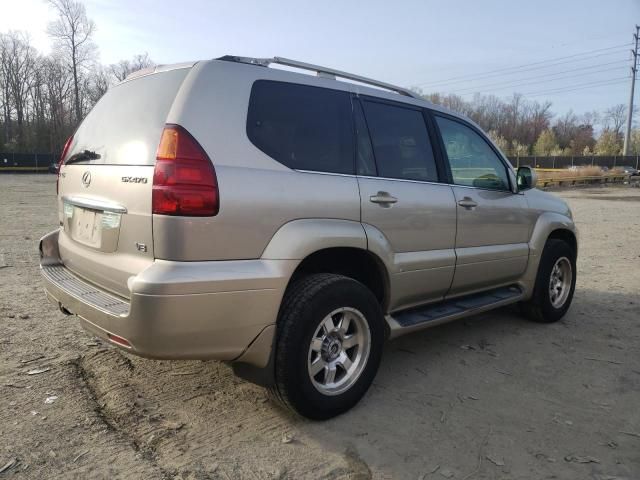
302	127
124	127
400	142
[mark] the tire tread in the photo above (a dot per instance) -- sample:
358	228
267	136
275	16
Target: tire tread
534	309
297	295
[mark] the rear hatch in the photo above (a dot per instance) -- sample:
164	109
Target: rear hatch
105	184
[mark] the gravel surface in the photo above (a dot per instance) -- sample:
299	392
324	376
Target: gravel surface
490	397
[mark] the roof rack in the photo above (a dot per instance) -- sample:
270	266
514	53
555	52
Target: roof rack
323	72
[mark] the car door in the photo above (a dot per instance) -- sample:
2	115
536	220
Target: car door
404	201
493	222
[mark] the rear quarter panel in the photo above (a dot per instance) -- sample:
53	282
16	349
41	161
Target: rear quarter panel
258	195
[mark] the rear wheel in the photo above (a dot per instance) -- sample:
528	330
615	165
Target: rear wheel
330	339
555	283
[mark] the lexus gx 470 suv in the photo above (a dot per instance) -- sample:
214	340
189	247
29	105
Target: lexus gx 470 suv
289	223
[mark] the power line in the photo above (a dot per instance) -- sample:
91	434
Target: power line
543	49
554	61
482	77
620	81
572	90
587	39
509	83
587	54
580	86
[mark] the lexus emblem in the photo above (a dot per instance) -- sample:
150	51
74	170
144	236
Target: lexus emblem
86	178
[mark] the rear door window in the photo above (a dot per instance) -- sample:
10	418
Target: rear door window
302	127
401	142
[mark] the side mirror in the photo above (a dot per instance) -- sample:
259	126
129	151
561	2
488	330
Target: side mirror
526	178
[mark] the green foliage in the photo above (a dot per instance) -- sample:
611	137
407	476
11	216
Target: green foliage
609	143
546	144
634	144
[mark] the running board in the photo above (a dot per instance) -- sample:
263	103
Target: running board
435	314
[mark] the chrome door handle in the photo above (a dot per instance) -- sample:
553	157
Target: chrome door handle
467	203
383	198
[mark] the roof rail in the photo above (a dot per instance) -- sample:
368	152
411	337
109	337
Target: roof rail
324	72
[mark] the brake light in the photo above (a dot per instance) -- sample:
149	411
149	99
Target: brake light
63	157
184	180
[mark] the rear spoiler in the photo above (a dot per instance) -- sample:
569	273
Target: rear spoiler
157	69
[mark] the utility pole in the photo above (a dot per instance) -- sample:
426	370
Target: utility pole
634	69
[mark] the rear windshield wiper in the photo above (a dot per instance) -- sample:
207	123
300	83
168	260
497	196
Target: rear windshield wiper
85	156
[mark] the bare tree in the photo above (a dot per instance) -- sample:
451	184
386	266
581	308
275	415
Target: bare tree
43	98
124	68
591	118
72	33
538	117
98	84
517	121
40	96
18	61
38	140
513	114
4	93
565	129
59	88
614	118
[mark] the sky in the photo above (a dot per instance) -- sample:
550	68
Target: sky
580	49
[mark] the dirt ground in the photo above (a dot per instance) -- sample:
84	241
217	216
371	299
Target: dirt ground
490	397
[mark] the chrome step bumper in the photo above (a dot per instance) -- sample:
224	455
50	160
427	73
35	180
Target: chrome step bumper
74	286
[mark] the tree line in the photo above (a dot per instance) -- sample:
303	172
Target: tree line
44	97
521	127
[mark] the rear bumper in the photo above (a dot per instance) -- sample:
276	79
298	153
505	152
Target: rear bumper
178	310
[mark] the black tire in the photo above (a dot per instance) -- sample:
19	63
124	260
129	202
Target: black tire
306	303
540	308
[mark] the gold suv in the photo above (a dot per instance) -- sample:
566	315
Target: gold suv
289	223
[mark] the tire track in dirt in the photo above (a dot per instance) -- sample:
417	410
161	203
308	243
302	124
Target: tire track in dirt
542	392
196	419
83	377
67	438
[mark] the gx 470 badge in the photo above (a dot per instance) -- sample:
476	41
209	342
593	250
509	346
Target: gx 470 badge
134	179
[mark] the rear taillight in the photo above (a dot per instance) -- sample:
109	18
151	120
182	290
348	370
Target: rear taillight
184	180
63	157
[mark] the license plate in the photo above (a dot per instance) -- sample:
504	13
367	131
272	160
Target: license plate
86	227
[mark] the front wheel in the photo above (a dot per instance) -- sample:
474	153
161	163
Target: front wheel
330	339
555	283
